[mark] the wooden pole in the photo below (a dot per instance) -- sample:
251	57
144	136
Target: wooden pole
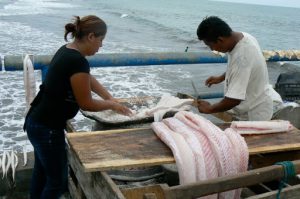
226	183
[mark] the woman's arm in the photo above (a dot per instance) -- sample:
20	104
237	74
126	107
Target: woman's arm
82	87
97	88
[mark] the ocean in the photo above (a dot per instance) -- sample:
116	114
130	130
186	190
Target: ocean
37	27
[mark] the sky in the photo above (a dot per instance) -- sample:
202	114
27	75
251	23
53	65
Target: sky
287	3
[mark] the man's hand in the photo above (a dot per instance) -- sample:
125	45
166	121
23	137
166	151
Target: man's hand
214	80
204	106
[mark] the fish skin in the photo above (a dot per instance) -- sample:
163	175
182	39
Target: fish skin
12	158
24	155
3	163
14	164
8	164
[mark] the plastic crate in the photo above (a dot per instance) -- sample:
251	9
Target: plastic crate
288	92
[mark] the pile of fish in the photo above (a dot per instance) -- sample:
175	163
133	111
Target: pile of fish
168	103
202	150
9	159
157	110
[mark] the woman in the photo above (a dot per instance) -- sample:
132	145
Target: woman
67	87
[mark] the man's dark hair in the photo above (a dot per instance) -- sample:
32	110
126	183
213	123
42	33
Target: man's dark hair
213	27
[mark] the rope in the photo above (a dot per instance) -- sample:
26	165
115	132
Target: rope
289	172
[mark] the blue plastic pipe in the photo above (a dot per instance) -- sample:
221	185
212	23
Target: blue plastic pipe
12	62
210	95
41	62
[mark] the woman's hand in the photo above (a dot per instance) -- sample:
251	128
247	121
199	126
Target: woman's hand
113	99
121	109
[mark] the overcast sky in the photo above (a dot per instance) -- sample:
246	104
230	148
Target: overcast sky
288	3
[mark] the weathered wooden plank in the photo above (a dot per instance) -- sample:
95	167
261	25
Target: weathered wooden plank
292	192
96	185
226	183
139	192
74	191
115	149
111	149
277	142
263	160
226	117
149	196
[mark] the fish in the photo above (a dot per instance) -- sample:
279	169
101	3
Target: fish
29	81
14	163
197	153
209	151
3	163
24	156
168	103
6	163
261	127
182	155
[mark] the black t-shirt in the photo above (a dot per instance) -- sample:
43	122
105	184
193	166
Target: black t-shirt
55	102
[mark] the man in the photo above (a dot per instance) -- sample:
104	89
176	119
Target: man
246	90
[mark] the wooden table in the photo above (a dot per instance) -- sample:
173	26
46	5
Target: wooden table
104	150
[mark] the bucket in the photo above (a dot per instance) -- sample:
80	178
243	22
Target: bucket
137	176
289	113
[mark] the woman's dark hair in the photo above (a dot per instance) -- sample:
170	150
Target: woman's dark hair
213	27
85	25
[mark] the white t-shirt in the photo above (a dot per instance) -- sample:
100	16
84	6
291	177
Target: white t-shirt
247	79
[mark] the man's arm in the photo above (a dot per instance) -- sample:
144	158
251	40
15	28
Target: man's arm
224	105
215	80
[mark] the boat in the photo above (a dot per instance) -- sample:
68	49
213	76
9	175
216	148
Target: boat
95	182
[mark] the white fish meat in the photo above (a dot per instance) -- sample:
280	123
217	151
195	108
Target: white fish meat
194	141
156	110
7	163
4	157
182	154
210	160
191	139
29	81
220	145
168	101
217	139
241	153
24	156
240	148
159	113
198	144
14	163
261	127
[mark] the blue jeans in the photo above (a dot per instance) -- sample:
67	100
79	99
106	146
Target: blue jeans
50	172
